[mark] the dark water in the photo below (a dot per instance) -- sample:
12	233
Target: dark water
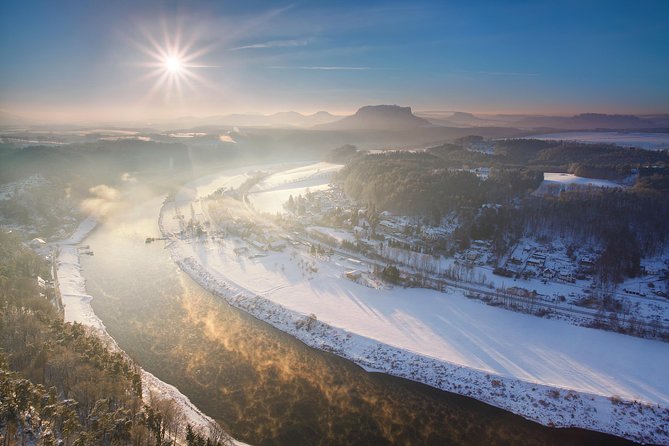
264	386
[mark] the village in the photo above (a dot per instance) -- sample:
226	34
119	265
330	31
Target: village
320	225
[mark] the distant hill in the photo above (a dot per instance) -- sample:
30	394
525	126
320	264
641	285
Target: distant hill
458	119
280	120
289	118
378	117
586	121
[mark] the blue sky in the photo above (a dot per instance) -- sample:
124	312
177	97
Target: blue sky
70	59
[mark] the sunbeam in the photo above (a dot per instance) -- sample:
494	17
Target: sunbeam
173	64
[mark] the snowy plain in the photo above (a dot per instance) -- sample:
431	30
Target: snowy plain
546	370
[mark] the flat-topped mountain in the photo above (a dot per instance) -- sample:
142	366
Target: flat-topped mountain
379	117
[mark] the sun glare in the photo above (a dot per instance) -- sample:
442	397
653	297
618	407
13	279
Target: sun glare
173	64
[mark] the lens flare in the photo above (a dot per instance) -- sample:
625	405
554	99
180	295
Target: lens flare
172	64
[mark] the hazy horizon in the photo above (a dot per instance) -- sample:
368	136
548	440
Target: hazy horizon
8	117
76	61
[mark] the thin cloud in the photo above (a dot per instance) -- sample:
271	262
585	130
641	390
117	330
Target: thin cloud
324	68
273	44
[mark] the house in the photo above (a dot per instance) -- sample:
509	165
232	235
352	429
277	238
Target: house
566	276
521	292
586	265
37	243
481	243
586	262
548	273
257	245
535	261
472	256
353	275
277	246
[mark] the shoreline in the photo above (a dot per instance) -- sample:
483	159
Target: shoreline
77	308
548	405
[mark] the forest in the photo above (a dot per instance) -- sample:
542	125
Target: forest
626	223
101	161
586	160
424	184
60	383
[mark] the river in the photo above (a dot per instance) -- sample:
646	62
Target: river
262	385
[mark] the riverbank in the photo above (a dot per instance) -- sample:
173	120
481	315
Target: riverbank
542	393
77	308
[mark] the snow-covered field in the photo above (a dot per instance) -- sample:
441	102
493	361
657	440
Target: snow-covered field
556	181
208	185
568	179
649	141
270	194
76	300
546	370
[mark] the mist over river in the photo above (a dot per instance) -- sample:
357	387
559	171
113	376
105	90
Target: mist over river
262	385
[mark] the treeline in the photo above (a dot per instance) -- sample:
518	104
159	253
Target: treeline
69	171
455	156
59	383
102	161
520	151
46	208
409	183
422	184
586	160
653	179
342	155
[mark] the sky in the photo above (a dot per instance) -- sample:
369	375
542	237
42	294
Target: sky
91	59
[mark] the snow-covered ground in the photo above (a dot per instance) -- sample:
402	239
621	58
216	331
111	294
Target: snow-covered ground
568	179
546	370
318	171
76	300
337	235
555	182
208	185
71	283
649	141
270	194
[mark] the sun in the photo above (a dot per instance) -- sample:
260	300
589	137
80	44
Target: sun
173	64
